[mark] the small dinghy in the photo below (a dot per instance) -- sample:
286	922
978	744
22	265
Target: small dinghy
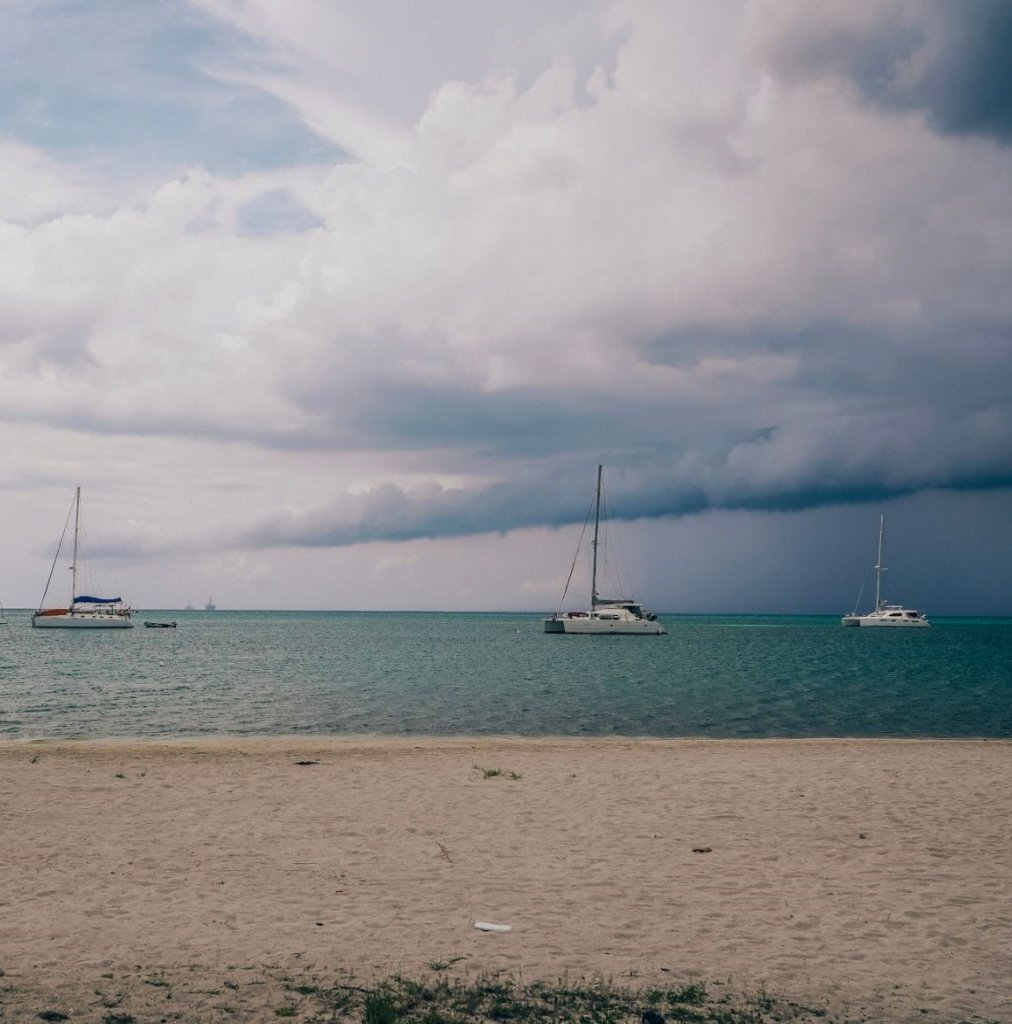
160	625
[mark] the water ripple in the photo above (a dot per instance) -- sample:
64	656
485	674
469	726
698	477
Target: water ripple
263	673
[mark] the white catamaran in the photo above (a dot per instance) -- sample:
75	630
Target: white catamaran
611	615
84	612
885	614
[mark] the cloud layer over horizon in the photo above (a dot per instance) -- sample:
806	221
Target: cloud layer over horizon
393	273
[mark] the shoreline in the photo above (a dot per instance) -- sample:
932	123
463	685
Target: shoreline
281	741
863	875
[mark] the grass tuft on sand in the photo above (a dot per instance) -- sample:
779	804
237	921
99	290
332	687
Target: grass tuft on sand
266	993
490	1000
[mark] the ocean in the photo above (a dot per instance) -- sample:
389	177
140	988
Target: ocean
450	674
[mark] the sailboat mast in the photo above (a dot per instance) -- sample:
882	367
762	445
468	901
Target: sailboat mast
597	522
879	568
73	564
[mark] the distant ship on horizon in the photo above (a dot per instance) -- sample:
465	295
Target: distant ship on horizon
210	606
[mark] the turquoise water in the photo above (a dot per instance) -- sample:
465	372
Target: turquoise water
263	673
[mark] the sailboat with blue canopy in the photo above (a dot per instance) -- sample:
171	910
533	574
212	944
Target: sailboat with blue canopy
84	611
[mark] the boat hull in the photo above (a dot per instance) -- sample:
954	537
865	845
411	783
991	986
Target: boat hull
601	627
879	621
79	621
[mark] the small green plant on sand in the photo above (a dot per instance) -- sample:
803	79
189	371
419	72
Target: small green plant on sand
380	1008
693	994
444	965
763	1000
494	773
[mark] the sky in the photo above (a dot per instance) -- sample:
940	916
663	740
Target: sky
339	305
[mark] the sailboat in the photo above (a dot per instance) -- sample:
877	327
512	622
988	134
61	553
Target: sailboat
84	612
611	615
884	614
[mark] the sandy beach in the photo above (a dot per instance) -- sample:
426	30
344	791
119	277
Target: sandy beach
872	878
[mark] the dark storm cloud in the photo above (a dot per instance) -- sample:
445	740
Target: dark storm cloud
512	422
950	60
966	86
949	364
392	513
804	466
